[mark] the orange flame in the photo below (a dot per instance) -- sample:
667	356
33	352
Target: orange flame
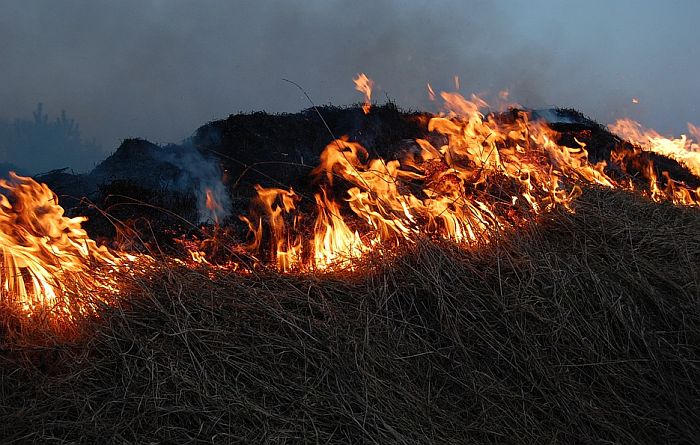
682	149
213	205
364	85
47	258
487	175
490	175
269	210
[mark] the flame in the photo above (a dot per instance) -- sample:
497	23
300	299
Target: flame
198	257
269	210
213	205
48	258
431	92
364	85
489	175
684	150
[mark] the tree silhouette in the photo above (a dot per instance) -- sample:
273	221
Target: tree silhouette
39	144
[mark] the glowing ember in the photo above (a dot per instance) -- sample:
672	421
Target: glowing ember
364	85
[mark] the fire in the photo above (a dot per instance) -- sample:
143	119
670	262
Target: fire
213	205
489	175
364	85
48	258
431	92
682	149
482	173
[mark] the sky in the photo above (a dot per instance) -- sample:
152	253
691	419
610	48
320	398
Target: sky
158	69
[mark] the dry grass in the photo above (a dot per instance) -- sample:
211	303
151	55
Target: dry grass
583	328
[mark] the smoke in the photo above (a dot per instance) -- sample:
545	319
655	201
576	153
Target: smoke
158	69
204	176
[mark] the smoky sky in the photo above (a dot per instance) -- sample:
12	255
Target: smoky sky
158	69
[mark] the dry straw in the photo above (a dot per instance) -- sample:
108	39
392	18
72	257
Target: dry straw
582	328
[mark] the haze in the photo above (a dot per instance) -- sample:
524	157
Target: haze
159	69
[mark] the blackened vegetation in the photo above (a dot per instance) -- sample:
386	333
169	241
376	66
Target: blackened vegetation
581	328
281	150
131	216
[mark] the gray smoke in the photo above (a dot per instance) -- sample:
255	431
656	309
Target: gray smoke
204	176
158	69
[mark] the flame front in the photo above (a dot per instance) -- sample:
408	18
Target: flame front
682	149
46	256
477	175
489	175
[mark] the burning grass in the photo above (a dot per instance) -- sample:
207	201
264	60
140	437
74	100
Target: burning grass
580	327
458	291
49	263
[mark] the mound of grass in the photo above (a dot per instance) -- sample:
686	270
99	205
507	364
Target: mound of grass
582	328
